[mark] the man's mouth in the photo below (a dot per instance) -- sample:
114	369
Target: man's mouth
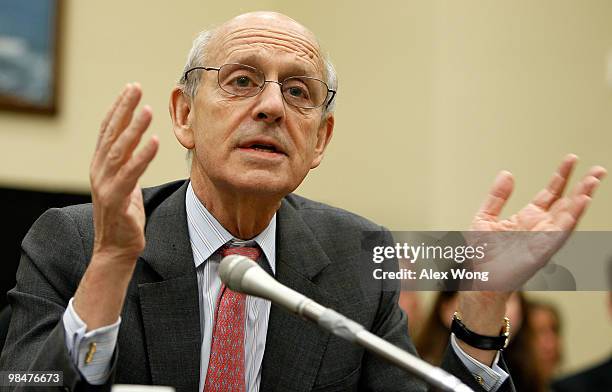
266	146
263	147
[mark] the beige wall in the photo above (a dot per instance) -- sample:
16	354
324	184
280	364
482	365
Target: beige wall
435	98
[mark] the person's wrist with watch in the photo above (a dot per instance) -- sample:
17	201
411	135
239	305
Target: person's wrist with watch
476	340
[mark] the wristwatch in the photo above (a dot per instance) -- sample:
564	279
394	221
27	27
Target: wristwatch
481	341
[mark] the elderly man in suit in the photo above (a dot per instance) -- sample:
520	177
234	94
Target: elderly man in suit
126	290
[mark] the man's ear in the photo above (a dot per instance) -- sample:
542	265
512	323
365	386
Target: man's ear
324	135
180	107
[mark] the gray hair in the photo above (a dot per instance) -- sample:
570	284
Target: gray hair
198	57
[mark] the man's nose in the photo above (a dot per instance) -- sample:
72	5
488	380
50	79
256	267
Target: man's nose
270	105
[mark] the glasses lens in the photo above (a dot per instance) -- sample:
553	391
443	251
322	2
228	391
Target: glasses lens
304	92
241	80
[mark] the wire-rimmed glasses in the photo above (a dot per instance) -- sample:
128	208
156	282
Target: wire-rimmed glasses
243	80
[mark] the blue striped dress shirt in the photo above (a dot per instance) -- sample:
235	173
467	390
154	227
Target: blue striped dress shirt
207	236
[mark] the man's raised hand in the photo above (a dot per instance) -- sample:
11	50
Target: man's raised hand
118	210
520	245
114	172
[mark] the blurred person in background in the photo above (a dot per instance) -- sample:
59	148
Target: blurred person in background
411	304
431	344
596	378
534	354
545	328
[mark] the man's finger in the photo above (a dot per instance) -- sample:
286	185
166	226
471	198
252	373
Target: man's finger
547	196
130	173
586	187
121	117
497	197
122	149
590	181
575	210
109	114
583	192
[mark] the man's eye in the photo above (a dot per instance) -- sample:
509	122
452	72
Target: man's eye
297	92
243	81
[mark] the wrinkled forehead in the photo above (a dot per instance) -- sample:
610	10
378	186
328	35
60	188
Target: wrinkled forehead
264	37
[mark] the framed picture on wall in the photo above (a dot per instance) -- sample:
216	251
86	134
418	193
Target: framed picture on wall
28	55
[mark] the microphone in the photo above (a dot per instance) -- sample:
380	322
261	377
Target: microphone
243	275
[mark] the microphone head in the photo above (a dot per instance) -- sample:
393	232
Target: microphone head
232	270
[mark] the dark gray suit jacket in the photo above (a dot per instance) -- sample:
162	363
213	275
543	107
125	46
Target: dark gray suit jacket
319	253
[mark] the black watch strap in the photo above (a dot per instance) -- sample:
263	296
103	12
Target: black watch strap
481	341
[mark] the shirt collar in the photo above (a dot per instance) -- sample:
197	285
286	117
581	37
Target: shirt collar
207	235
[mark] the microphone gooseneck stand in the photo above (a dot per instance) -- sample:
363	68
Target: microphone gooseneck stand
242	274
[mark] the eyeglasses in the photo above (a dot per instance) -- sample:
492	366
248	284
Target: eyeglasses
245	81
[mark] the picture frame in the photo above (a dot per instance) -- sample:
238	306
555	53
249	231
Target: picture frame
29	51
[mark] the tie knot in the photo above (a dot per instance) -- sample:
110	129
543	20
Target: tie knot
252	252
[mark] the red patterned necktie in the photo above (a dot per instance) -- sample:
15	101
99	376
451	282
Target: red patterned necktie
226	362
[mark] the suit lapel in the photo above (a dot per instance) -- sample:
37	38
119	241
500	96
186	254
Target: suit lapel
299	259
170	308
